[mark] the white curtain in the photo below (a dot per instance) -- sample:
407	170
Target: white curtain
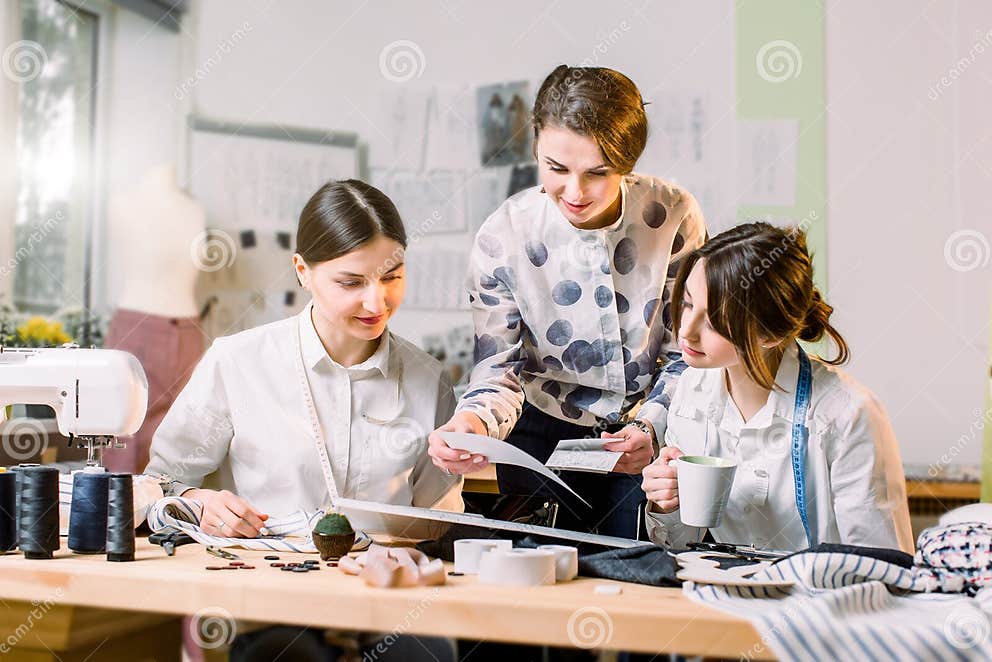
10	34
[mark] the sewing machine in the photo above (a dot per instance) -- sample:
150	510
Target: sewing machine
98	394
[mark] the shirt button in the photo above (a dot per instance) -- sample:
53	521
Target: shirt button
760	473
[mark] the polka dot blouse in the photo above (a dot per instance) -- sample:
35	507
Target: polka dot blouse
577	322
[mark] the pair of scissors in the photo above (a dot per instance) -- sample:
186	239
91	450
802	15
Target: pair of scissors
222	553
169	539
746	552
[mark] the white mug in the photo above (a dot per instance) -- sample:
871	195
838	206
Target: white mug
704	487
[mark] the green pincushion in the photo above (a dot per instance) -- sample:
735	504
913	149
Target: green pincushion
333	536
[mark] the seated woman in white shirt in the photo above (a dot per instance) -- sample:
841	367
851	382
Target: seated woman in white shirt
288	415
327	403
741	303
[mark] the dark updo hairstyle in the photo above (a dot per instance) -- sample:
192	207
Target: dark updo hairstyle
759	281
342	216
600	103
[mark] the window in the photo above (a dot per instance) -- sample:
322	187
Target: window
56	67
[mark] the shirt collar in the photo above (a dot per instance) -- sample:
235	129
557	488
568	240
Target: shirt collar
314	353
784	401
715	400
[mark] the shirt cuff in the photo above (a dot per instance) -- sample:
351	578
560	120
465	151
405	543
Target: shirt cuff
667	529
179	488
657	416
485	415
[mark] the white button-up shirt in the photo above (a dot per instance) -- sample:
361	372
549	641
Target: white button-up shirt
242	424
578	321
855	487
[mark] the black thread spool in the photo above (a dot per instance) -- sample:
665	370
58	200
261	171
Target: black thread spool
88	514
8	514
17	491
120	518
38	528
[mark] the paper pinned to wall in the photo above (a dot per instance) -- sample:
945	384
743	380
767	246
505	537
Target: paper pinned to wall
436	279
429	202
487	189
767	161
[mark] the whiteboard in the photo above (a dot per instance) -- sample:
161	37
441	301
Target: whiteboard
253	181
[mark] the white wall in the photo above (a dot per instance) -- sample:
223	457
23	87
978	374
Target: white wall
905	172
316	64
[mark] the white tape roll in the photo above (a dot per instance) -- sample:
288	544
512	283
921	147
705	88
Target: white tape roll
566	561
469	550
517	567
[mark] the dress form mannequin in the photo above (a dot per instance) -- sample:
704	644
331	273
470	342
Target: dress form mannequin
153	230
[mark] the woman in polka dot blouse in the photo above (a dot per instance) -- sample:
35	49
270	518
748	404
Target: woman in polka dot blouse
569	285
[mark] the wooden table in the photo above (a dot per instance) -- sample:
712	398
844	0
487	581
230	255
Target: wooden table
482	482
934	489
145	593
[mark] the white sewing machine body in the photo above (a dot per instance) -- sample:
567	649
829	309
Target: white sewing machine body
94	392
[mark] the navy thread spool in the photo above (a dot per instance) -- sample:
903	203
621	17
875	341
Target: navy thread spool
38	527
88	514
8	516
120	518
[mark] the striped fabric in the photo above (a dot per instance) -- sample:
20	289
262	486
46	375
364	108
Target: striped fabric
847	606
287	534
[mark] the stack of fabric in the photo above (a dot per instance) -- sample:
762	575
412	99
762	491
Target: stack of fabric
849	602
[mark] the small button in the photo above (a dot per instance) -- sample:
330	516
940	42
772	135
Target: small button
761	473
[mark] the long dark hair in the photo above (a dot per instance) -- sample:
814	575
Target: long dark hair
759	281
343	215
600	103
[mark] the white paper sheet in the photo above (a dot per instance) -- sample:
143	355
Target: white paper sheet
767	161
500	452
583	455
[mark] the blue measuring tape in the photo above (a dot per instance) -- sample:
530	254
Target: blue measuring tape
800	436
